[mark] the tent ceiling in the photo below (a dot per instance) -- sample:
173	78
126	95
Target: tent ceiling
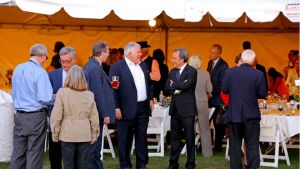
190	10
12	15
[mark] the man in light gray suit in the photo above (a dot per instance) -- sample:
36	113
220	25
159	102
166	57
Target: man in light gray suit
203	87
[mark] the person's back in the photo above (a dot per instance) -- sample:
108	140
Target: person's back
31	92
75	126
243	90
73	121
244	85
159	55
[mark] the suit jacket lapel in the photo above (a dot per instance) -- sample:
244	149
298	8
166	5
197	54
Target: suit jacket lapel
60	76
183	72
128	72
96	62
145	73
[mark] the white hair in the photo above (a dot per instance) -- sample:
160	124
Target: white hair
248	56
195	61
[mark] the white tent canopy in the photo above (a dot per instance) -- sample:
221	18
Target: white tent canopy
190	10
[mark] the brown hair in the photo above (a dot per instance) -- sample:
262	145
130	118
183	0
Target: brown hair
75	79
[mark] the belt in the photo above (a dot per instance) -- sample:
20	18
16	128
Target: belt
29	112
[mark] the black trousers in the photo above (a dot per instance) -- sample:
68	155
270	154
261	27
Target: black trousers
187	124
220	130
250	131
138	128
55	155
94	157
74	154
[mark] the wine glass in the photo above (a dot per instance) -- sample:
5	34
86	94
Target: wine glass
292	103
280	107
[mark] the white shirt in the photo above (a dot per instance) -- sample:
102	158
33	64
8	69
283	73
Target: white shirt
181	68
139	80
214	63
64	75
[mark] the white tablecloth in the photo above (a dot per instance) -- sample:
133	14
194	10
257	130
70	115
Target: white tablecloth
290	125
6	126
155	119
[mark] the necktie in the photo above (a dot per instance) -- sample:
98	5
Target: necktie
177	74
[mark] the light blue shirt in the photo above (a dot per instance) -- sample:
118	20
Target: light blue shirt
31	88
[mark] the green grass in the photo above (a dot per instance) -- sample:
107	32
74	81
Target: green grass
216	162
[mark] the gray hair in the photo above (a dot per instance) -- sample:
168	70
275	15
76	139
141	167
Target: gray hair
195	61
129	47
183	54
99	47
248	56
67	50
38	50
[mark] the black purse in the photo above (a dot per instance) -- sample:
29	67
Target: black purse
222	115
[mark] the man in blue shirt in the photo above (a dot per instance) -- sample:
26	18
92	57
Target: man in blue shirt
31	90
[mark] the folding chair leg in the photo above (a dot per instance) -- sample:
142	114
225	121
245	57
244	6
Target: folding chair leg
227	149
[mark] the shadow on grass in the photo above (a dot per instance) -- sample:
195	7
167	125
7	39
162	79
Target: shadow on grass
215	162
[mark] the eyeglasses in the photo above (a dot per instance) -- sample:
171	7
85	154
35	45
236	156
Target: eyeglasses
65	61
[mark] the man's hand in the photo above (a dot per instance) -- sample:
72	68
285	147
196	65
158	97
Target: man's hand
151	105
93	141
55	140
106	120
118	114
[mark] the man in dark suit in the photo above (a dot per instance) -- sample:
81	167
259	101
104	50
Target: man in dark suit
100	85
181	83
244	85
57	79
134	103
216	68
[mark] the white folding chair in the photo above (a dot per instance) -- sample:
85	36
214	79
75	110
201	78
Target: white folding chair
106	133
273	134
211	111
156	126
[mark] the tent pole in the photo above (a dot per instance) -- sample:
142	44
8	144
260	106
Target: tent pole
166	43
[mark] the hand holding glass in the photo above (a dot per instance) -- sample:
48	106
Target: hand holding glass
115	82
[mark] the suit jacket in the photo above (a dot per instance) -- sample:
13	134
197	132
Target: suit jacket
55	77
73	119
216	76
126	94
244	85
100	85
184	103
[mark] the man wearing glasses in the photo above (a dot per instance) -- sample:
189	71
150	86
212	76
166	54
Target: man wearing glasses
31	91
57	80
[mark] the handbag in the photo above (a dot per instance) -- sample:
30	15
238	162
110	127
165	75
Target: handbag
222	115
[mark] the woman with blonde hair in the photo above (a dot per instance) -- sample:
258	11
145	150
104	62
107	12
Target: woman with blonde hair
74	119
203	89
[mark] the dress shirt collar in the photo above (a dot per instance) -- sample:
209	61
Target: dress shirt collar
130	63
182	67
35	61
97	60
215	61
